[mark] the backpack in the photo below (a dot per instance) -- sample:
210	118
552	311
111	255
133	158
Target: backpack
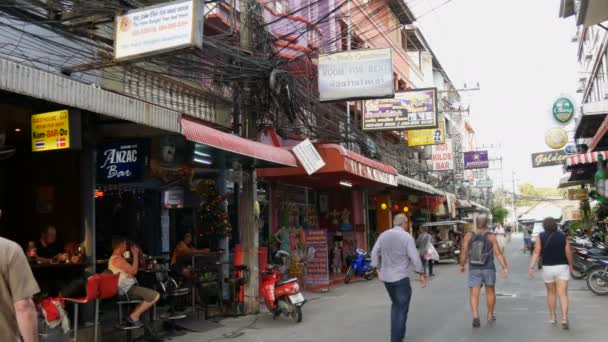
478	251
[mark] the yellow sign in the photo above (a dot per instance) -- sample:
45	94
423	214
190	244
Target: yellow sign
50	131
427	136
556	138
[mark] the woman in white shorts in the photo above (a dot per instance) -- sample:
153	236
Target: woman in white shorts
557	264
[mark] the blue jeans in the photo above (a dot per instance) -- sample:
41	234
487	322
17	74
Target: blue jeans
400	293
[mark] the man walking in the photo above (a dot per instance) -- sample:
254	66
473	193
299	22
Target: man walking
17	286
395	254
479	249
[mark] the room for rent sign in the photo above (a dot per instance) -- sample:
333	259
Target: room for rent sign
443	156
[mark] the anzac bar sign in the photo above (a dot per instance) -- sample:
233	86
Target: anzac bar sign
549	158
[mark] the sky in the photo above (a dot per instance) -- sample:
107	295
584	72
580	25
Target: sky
522	55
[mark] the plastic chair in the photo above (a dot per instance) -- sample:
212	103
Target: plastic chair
92	288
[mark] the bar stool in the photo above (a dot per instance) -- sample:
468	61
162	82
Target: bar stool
92	291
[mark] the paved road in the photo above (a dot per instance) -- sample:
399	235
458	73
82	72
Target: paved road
360	312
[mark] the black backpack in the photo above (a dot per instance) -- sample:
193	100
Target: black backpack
479	253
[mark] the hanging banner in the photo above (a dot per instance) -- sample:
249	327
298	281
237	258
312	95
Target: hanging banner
429	136
159	28
358	74
549	158
308	156
412	109
317	257
476	160
443	157
122	162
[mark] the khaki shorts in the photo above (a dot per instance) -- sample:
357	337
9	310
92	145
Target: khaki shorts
148	295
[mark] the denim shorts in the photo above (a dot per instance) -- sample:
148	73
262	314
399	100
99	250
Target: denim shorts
478	277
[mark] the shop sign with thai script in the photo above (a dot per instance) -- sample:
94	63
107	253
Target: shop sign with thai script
51	131
308	156
122	161
578	194
317	257
412	109
549	158
428	136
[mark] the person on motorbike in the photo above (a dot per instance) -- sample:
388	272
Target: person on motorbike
557	264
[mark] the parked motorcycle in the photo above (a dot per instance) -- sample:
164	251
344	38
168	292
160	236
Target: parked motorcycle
282	295
597	280
361	266
584	260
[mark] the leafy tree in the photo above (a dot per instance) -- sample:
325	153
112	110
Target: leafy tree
529	195
499	214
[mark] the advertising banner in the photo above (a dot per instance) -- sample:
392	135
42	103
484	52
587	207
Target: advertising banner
308	156
429	136
476	160
578	194
443	157
317	257
358	74
412	109
51	131
549	158
122	161
160	28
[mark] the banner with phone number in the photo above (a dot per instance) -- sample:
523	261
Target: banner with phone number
317	257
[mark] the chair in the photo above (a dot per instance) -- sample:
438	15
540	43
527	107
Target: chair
92	292
171	292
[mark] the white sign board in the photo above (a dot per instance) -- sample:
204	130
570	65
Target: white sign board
443	157
160	28
357	74
308	156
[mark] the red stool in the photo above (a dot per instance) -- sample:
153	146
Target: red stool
92	294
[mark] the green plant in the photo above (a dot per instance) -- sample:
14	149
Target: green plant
574	226
499	214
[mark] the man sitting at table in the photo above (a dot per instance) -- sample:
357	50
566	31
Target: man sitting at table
47	249
181	259
127	282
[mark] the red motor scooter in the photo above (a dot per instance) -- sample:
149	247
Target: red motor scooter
282	296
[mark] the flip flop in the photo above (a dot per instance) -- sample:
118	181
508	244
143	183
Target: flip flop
565	325
476	323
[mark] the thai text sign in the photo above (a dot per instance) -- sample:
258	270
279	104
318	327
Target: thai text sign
549	158
51	131
428	136
578	194
317	257
308	156
359	74
159	28
443	157
121	162
476	160
412	109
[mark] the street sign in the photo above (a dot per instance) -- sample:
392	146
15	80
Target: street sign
570	149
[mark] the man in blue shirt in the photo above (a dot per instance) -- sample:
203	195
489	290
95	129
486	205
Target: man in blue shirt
396	256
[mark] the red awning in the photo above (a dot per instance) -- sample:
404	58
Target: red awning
584	158
199	133
599	135
340	165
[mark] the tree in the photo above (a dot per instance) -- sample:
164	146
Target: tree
529	195
499	214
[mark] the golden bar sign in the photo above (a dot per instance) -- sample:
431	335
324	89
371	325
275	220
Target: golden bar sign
51	131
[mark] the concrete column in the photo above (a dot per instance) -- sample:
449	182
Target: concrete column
88	166
224	243
249	235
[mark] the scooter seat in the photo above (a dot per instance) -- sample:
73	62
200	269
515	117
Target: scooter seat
282	282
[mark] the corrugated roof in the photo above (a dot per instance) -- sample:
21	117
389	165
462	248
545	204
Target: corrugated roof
20	79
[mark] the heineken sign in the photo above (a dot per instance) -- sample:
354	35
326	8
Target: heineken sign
563	110
549	158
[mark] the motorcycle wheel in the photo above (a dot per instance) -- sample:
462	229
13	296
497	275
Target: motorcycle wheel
296	314
370	275
597	281
349	275
576	274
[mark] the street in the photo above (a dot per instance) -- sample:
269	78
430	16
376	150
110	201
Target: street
360	312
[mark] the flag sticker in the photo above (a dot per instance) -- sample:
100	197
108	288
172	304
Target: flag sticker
61	142
39	144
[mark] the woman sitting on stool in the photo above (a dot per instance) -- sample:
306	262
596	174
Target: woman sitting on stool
127	282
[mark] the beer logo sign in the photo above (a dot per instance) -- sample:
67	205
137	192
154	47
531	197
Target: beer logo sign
556	138
563	110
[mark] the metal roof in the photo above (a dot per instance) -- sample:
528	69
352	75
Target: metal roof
21	79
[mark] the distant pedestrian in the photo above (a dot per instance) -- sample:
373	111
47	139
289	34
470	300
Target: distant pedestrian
500	236
18	315
508	232
479	249
557	265
395	255
423	244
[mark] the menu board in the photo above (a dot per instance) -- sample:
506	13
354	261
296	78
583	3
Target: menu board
317	257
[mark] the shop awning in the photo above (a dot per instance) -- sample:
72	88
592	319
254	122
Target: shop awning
480	207
232	147
418	185
600	139
463	204
592	116
584	158
342	167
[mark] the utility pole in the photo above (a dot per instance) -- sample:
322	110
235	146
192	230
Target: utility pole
514	201
248	229
348	47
